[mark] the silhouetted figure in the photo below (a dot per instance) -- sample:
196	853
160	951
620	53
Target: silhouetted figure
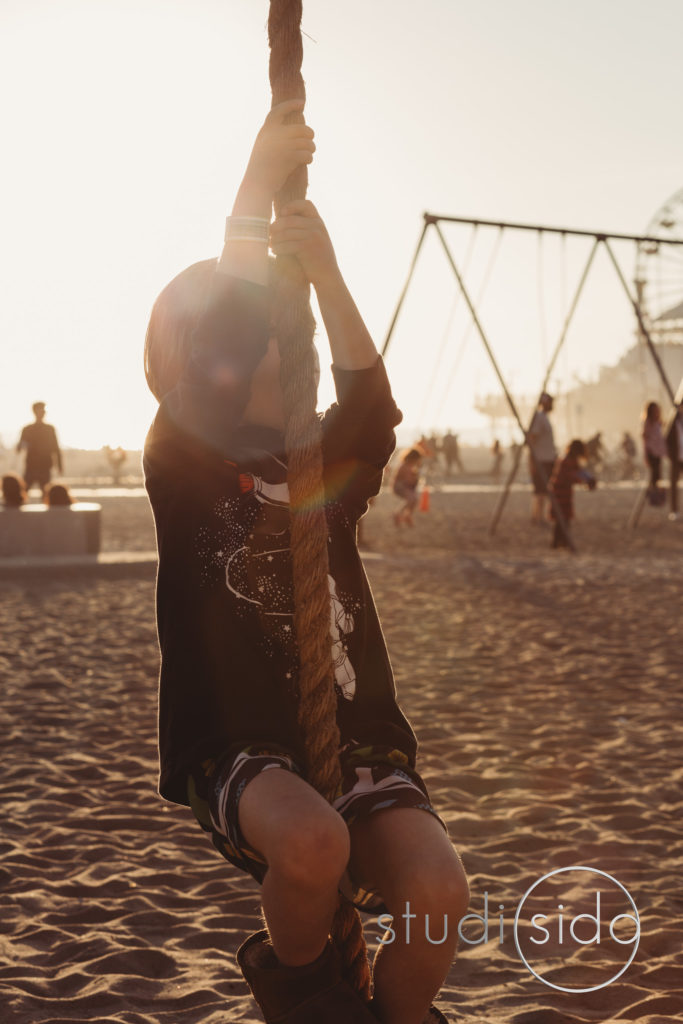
542	455
595	453
654	449
628	450
39	441
451	452
568	471
116	458
58	496
13	490
497	453
434	444
405	486
674	446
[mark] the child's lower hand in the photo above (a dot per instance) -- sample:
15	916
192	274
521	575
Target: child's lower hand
299	231
279	149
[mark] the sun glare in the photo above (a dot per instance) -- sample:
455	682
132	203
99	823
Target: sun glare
130	122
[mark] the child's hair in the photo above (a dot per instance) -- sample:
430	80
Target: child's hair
168	341
57	495
412	455
650	409
577	449
13	490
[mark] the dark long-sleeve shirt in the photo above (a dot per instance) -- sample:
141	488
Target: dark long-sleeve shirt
229	659
39	441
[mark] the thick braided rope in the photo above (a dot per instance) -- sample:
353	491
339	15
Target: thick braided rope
303	445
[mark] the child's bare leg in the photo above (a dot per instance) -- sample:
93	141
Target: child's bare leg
306	845
405	855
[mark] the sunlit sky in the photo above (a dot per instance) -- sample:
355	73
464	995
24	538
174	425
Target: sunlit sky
127	125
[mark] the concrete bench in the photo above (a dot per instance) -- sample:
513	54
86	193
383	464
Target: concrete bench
39	530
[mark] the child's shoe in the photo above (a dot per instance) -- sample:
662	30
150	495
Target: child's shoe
434	1016
311	994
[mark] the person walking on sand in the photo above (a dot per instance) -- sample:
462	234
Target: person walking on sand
216	474
568	472
654	450
405	485
542	455
39	441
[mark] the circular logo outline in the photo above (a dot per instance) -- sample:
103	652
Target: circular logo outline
560	871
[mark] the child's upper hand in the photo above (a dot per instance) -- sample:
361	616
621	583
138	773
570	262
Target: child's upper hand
299	231
279	148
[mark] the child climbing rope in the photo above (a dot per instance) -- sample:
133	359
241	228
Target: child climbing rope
230	744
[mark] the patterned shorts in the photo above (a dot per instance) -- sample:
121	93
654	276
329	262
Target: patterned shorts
374	778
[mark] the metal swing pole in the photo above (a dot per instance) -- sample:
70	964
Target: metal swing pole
641	323
385	346
639	505
558	348
513	408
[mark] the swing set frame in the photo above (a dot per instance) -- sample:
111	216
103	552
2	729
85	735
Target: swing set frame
600	238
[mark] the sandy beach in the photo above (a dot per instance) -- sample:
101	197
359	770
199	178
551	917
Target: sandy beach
544	689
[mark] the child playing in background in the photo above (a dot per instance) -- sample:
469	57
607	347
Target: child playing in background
405	485
216	474
568	471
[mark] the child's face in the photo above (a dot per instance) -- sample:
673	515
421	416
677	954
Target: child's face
266	404
266	407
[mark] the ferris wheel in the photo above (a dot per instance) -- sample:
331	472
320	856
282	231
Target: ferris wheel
659	269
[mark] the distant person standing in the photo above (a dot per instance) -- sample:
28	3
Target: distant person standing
674	446
654	450
39	441
497	453
595	453
450	448
116	458
628	451
542	454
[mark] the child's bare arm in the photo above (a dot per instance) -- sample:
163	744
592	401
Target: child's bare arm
299	231
278	150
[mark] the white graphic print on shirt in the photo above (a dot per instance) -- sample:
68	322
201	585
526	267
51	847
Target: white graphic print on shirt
253	549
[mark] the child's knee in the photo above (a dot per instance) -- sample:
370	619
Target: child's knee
313	852
446	892
439	889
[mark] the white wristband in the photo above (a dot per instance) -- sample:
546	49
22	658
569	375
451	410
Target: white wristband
247	229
